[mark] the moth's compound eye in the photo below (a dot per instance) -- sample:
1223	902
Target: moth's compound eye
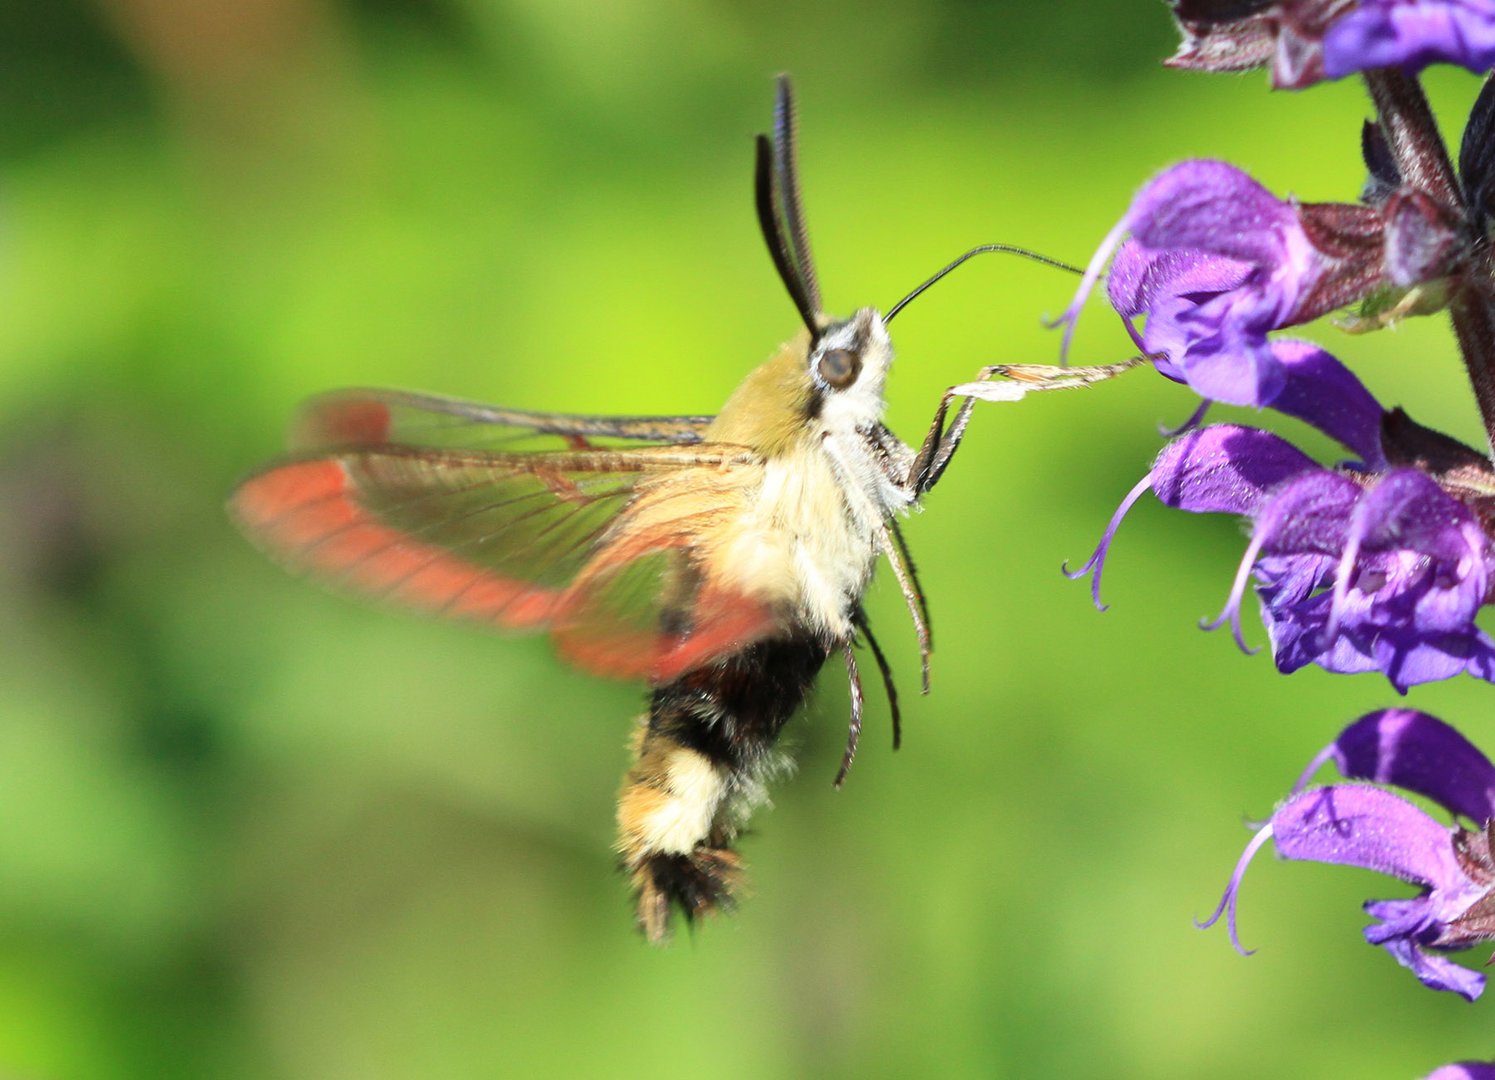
839	368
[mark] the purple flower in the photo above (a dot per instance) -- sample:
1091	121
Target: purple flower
1215	262
1306	41
1464	1070
1375	565
1366	826
1410	34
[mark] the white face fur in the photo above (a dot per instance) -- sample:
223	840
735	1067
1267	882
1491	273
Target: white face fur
872	484
858	403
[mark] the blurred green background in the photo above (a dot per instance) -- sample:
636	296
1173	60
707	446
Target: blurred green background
249	828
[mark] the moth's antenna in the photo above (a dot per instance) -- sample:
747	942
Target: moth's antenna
773	235
984	249
786	173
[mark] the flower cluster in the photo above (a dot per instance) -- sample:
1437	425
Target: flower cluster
1377	564
1380	562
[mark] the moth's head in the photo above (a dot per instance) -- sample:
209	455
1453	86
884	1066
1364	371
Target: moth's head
847	365
836	369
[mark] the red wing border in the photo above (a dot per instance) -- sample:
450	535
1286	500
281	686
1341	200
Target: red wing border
521	542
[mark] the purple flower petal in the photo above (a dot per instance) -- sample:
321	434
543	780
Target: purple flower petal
1167	285
1424	558
1206	205
1406	656
1359	825
1302	514
1418	752
1411	34
1409	571
1410	659
1323	392
1225	469
1357	571
1141	276
1307	517
1223	346
1433	971
1463	1070
1212	207
1363	826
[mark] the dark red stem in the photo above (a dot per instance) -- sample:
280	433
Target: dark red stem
1412	134
1473	312
1422	159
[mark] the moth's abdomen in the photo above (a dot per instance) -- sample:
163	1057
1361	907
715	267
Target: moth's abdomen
675	855
702	755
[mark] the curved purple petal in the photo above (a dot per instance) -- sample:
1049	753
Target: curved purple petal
1309	514
1297	625
1225	469
1216	262
1212	207
1221	346
1387	579
1411	34
1418	752
1421	660
1323	392
1167	286
1407	509
1358	825
1303	515
1207	205
1431	554
1140	276
1433	971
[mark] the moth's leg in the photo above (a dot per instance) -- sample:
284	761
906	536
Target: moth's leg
910	597
913	577
865	629
941	443
854	731
924	472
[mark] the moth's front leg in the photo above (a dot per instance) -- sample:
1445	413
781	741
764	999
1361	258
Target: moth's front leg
940	444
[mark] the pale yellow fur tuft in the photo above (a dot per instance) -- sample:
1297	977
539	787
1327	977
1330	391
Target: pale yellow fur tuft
669	800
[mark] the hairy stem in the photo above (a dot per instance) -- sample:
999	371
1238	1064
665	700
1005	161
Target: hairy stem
1423	162
1407	121
1473	314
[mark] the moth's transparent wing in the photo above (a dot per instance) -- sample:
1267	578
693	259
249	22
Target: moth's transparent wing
598	546
343	419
